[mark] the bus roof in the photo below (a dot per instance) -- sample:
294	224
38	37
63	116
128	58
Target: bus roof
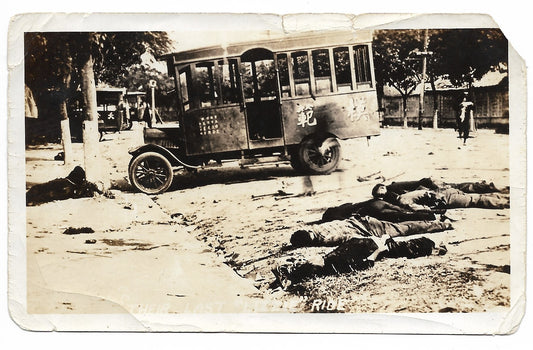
288	42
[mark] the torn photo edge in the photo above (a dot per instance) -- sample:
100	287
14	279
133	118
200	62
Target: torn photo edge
477	323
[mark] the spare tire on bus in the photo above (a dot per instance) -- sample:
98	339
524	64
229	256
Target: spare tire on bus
150	172
319	156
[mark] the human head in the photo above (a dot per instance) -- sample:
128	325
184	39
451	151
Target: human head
379	191
301	238
77	175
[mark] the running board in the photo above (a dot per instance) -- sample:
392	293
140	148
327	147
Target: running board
249	162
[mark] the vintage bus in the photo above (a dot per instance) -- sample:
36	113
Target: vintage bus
112	112
283	100
112	115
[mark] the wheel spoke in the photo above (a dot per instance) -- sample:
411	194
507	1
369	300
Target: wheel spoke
316	157
313	151
142	167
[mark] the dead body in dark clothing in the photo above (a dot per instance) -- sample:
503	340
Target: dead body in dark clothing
73	186
395	202
361	238
334	233
427	194
358	253
452	198
430	184
377	208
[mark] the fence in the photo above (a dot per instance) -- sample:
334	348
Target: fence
491	108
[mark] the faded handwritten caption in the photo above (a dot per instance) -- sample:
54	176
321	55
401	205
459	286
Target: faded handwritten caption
302	303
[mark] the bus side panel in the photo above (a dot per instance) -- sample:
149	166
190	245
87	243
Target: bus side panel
213	130
345	115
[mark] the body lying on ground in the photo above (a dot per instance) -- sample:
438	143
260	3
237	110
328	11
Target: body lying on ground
336	232
363	232
401	187
412	200
360	241
426	193
381	209
357	253
424	199
73	186
377	208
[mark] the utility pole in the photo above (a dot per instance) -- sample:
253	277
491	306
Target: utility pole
152	85
424	55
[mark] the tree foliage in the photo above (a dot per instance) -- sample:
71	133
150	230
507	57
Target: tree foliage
461	55
393	59
53	60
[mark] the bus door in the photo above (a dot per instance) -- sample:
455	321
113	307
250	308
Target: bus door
261	99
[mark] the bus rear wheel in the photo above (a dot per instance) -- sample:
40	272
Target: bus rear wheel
151	173
319	156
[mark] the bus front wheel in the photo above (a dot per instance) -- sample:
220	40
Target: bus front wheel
151	173
319	156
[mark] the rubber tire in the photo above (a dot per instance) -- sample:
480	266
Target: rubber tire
161	164
313	162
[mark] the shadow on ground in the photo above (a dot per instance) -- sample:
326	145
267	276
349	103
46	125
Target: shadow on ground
226	176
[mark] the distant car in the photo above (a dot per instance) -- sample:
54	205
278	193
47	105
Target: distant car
112	113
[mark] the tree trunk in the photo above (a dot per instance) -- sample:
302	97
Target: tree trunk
435	104
90	125
471	99
404	101
65	135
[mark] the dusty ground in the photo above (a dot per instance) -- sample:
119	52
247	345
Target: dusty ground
209	243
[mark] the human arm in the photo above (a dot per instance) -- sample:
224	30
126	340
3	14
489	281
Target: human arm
413	200
383	210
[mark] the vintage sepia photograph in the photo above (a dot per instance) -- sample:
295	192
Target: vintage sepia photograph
231	178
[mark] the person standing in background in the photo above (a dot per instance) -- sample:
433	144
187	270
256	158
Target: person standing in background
466	111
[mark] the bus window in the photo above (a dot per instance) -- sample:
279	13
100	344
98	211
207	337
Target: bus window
266	79
322	71
284	75
228	77
259	80
247	81
343	74
300	64
205	84
185	79
362	65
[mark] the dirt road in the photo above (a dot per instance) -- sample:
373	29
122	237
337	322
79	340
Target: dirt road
209	243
